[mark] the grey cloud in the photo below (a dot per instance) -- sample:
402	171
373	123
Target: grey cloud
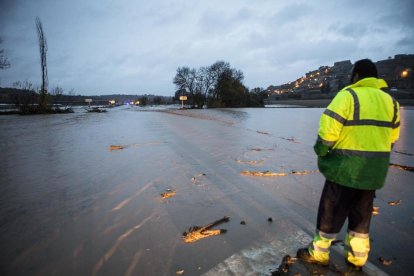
214	22
6	11
352	30
406	41
220	22
397	14
242	15
291	13
323	52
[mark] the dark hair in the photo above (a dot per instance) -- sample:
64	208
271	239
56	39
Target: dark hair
365	68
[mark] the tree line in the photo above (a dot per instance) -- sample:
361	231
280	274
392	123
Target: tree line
24	95
217	85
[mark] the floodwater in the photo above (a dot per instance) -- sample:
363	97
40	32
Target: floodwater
69	205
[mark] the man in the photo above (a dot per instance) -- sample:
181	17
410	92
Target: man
355	138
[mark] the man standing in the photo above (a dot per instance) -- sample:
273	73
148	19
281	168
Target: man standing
355	138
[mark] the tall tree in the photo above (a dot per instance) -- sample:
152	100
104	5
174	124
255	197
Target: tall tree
231	91
206	79
186	80
4	63
43	64
217	69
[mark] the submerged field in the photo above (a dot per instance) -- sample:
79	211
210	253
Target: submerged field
112	193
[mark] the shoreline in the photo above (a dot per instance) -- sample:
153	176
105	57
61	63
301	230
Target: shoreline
310	103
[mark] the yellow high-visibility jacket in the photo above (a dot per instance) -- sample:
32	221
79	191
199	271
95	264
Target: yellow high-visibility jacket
356	134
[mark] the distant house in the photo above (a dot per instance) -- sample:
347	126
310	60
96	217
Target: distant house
397	72
327	81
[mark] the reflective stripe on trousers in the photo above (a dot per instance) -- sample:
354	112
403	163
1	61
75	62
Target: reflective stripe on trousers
319	249
356	248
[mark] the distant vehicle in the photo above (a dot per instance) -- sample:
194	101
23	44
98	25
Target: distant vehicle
393	89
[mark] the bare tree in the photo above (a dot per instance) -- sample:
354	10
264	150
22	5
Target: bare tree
238	75
43	64
23	85
4	63
186	79
57	93
207	80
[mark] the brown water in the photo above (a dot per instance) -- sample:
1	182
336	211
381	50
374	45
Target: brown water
71	206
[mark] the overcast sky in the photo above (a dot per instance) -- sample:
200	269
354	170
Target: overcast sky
135	47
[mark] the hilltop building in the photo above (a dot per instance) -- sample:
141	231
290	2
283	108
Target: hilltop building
326	81
397	72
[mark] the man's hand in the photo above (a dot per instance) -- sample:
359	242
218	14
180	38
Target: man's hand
321	149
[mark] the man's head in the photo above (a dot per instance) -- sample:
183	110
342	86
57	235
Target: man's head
363	68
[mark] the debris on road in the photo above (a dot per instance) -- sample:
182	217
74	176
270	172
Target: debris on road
196	233
168	193
194	178
384	261
269	173
292	139
264	173
119	147
242	222
115	147
304	172
262	132
395	202
179	272
402	167
252	162
287	261
261	149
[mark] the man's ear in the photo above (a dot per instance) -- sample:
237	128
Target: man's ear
355	78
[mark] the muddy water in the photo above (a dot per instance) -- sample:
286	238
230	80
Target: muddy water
69	205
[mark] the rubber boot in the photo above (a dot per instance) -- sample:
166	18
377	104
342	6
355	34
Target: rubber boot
356	248
319	249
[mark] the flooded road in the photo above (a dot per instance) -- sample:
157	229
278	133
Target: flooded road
72	205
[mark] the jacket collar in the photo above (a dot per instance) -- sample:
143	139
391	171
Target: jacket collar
369	82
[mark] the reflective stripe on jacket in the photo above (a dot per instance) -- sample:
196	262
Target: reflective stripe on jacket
356	134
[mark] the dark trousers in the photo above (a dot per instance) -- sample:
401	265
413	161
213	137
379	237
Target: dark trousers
339	203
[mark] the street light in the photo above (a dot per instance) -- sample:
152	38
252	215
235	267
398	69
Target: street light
404	73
